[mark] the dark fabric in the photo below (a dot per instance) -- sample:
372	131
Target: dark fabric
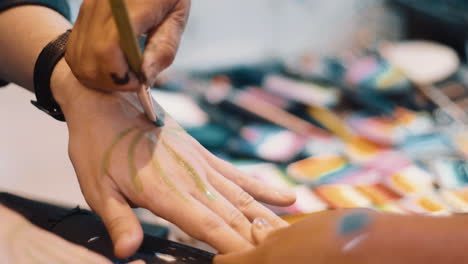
61	6
84	228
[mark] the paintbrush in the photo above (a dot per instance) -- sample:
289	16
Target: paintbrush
131	49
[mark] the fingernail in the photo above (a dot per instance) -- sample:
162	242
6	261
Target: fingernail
261	224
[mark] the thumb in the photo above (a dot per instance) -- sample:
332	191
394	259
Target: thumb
122	224
260	230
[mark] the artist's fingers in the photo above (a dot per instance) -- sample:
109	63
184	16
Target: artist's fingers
114	73
243	201
163	42
254	187
260	230
121	223
101	65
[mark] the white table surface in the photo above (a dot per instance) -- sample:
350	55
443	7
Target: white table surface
33	152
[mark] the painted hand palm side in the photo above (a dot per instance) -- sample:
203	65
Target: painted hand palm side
23	243
168	172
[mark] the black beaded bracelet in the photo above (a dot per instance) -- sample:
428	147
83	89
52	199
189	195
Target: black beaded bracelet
45	64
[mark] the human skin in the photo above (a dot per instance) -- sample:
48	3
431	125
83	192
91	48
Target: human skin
162	169
96	118
23	243
382	238
163	21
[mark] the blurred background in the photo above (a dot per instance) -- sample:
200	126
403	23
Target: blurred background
352	103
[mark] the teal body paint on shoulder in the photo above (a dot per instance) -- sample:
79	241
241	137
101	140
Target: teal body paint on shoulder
353	222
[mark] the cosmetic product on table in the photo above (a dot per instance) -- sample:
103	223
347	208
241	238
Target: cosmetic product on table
342	196
307	93
430	204
386	131
270	174
267	142
220	91
451	173
321	169
456	198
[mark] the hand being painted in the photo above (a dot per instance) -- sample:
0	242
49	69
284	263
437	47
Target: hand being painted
123	160
23	243
93	49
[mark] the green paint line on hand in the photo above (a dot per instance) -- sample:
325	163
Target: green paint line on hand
191	171
131	160
105	164
157	165
176	129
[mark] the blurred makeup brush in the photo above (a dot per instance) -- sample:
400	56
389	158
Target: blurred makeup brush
427	63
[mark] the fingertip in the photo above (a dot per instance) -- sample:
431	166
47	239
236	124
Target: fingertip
279	197
151	72
128	243
288	197
122	224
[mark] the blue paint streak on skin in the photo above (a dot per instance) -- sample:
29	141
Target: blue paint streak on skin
353	222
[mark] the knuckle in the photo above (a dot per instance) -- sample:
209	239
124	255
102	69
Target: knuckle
244	200
180	21
211	227
147	196
85	73
236	219
165	53
115	224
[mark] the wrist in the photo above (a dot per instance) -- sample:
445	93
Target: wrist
77	101
63	87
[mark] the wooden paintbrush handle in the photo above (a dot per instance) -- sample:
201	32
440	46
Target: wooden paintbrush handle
128	39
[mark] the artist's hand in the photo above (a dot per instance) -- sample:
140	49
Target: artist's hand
323	238
23	243
93	49
123	160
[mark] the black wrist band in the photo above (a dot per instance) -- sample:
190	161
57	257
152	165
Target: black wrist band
45	64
